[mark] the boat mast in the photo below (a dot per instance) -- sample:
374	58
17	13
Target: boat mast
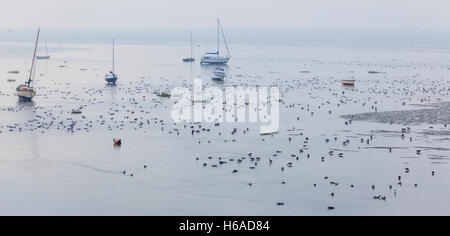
34	57
225	40
192	47
113	56
46	50
218	37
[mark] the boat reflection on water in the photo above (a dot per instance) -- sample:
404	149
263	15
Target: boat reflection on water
26	103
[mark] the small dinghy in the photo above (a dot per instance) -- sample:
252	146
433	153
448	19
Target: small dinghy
219	74
117	142
76	111
348	82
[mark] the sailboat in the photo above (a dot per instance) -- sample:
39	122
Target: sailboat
25	91
191	58
214	57
46	57
111	77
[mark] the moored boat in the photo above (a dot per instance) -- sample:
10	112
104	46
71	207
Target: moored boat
348	82
43	57
219	74
191	57
76	111
111	77
214	58
26	91
46	57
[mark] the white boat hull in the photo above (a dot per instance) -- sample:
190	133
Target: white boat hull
43	57
215	60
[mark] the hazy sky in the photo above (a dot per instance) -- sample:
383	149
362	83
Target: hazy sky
235	14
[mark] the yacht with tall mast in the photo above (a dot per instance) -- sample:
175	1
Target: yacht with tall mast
215	57
26	91
111	77
191	58
46	57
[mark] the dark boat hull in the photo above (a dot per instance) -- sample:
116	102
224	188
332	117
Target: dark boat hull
188	60
111	80
25	95
25	99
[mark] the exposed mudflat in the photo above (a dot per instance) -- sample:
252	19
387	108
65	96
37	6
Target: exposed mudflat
431	114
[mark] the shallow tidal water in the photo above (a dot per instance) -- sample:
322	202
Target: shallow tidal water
343	151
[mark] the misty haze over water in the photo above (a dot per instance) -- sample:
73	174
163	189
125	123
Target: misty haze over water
352	38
